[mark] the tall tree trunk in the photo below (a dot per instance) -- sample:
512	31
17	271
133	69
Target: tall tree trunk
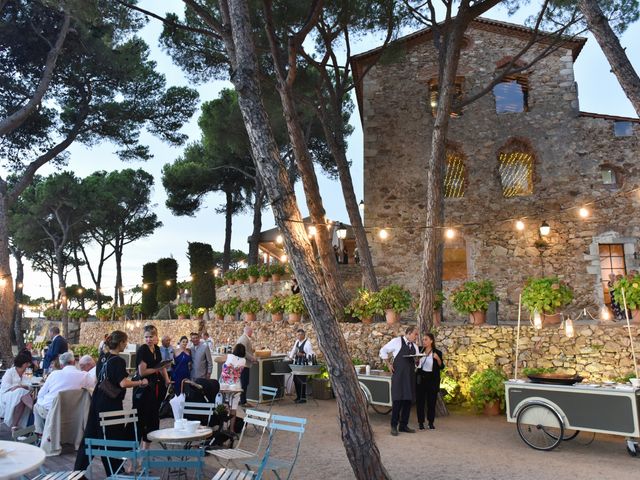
119	294
610	45
78	275
7	301
18	296
319	296
228	224
337	145
254	240
431	272
61	288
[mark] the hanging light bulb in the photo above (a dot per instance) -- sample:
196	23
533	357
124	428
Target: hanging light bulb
583	212
190	278
520	225
361	206
279	239
168	283
145	286
545	229
605	314
450	233
312	231
568	328
283	258
79	291
537	320
383	234
20	285
216	271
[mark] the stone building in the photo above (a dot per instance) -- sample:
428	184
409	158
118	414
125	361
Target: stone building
524	152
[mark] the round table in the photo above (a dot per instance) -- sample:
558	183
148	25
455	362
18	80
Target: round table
20	458
174	435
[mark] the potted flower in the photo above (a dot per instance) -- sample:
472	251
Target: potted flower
232	307
473	298
277	271
392	300
546	296
631	285
220	309
264	272
486	389
241	276
198	312
230	277
254	272
275	306
362	306
295	307
250	308
183	310
437	307
103	314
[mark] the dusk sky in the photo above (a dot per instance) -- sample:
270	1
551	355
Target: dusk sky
598	92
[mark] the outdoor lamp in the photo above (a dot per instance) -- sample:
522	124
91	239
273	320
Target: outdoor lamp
341	231
190	278
20	285
568	328
537	320
284	258
361	206
583	212
145	286
216	271
279	239
450	233
520	225
545	229
79	291
605	314
383	234
168	283
312	231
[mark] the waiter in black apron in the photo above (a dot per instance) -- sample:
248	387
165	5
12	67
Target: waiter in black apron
403	377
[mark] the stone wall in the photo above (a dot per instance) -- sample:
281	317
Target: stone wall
597	352
569	149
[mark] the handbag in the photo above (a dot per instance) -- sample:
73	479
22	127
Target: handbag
165	410
105	386
138	392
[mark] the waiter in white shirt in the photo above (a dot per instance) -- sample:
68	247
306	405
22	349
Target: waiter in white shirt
403	377
67	378
301	348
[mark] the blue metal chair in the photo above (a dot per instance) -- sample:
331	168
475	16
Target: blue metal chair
286	424
173	461
258	420
269	392
119	417
117	450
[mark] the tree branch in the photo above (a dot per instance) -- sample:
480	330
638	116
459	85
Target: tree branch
206	16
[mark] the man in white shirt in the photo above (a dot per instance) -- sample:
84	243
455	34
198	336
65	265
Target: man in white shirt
301	349
403	377
88	364
67	378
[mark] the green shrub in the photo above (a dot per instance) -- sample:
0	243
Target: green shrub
149	289
275	304
242	274
487	386
198	312
232	306
78	314
438	300
473	296
294	304
183	309
253	270
393	297
53	313
230	275
220	308
452	387
251	305
103	312
363	305
546	295
81	350
277	269
203	293
167	274
631	287
265	270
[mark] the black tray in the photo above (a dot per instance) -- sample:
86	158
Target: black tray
551	379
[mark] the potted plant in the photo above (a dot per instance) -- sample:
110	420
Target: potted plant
183	310
79	315
230	277
275	306
241	276
254	272
137	310
362	306
103	314
487	390
473	298
53	314
220	309
120	311
232	307
265	272
294	306
219	282
546	296
631	285
438	301
277	271
392	300
198	312
250	308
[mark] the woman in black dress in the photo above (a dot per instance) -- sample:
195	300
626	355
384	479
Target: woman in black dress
147	400
428	380
113	369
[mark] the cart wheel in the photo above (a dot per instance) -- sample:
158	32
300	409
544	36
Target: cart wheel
540	427
568	435
381	409
632	448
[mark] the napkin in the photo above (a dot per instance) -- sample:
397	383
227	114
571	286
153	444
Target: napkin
177	406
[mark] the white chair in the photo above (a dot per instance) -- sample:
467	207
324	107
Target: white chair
256	418
65	421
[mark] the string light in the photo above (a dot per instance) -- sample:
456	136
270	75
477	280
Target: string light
20	285
145	286
312	231
80	291
450	233
583	212
168	283
520	225
216	271
284	258
190	278
383	234
279	239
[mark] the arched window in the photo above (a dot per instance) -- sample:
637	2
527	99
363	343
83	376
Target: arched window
434	92
455	174
515	166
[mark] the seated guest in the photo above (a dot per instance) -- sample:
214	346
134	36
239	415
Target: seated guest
68	378
15	401
88	364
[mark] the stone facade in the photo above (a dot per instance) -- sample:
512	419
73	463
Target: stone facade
570	148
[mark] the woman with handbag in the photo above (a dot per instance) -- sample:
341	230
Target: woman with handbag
428	380
147	399
107	397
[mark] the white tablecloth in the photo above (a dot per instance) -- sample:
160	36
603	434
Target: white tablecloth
19	458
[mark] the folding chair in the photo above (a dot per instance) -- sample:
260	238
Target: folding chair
198	409
119	417
286	424
260	421
174	461
77	475
127	450
269	392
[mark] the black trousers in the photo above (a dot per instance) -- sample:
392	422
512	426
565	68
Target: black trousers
400	411
300	382
244	383
427	387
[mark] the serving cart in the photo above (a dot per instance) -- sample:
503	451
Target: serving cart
547	414
376	387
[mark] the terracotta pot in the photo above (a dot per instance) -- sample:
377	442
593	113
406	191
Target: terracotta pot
103	319
553	319
82	319
437	317
239	282
478	318
219	317
250	317
275	278
492	409
182	317
367	320
294	318
277	317
392	316
635	316
253	279
264	279
229	283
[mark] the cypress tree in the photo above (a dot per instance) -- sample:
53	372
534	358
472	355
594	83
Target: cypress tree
203	292
166	270
149	278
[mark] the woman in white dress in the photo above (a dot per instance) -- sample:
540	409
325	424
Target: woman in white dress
232	366
15	399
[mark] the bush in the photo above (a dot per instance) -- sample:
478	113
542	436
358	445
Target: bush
242	274
167	271
275	304
452	387
81	350
230	275
149	289
294	304
277	269
103	312
220	308
393	297
53	313
253	271
265	270
78	314
183	309
546	295
487	386
232	306
473	296
631	287
203	293
363	305
252	305
438	300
